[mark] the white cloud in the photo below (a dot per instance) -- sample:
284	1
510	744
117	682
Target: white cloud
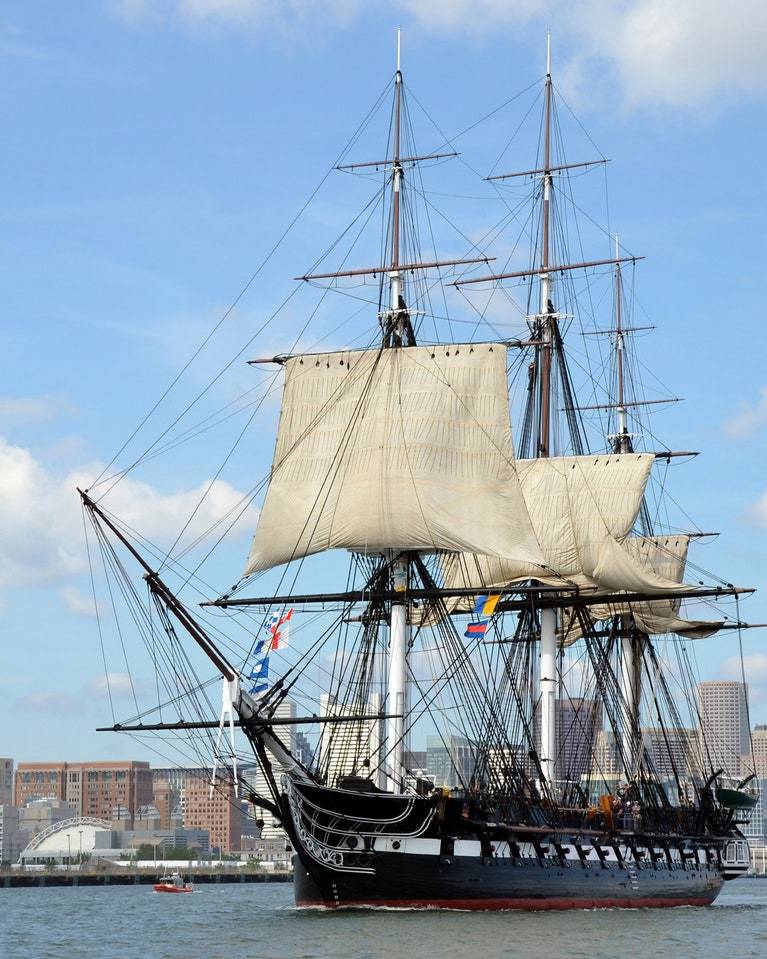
26	409
759	510
39	537
684	53
755	668
673	52
119	685
81	604
50	703
41	531
751	419
238	13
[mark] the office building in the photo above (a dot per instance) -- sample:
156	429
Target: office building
606	763
578	723
287	736
758	763
352	748
449	761
724	724
673	752
92	789
164	801
6	782
12	837
220	814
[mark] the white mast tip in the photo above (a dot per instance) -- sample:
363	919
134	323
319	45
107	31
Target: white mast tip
548	53
399	47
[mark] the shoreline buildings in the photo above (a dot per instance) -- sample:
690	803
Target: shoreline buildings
174	804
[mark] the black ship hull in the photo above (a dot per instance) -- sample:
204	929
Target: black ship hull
428	882
386	851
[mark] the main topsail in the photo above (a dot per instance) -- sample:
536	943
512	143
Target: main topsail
582	509
404	449
663	556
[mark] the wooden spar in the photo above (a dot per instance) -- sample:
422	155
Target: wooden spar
591	600
378	163
544	427
602	633
402	267
623	441
397	171
255	721
670	454
617	406
559	268
542	597
158	586
625	329
549	169
282	358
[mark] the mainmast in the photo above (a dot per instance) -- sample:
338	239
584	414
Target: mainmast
395	337
622	440
394	329
632	640
548	647
547	340
546	306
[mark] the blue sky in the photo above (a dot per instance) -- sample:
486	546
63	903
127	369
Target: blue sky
153	152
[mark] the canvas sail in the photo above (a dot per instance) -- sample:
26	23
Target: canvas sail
582	509
406	449
667	557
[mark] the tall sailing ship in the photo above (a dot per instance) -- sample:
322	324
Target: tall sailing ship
522	605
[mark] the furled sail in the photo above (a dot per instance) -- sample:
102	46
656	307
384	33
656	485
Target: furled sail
666	556
406	449
582	509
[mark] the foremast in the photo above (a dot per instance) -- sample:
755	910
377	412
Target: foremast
397	332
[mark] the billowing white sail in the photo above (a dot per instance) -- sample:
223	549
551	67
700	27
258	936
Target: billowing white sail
582	506
395	449
582	509
665	556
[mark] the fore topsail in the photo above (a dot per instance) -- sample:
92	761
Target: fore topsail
406	449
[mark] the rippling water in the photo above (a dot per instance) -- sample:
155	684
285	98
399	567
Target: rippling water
260	922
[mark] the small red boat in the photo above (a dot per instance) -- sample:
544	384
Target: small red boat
173	883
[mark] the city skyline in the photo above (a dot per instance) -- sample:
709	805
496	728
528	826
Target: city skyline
171	806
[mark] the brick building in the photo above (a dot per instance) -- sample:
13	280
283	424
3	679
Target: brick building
221	814
163	801
92	789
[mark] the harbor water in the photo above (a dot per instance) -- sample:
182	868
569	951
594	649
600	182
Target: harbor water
260	922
